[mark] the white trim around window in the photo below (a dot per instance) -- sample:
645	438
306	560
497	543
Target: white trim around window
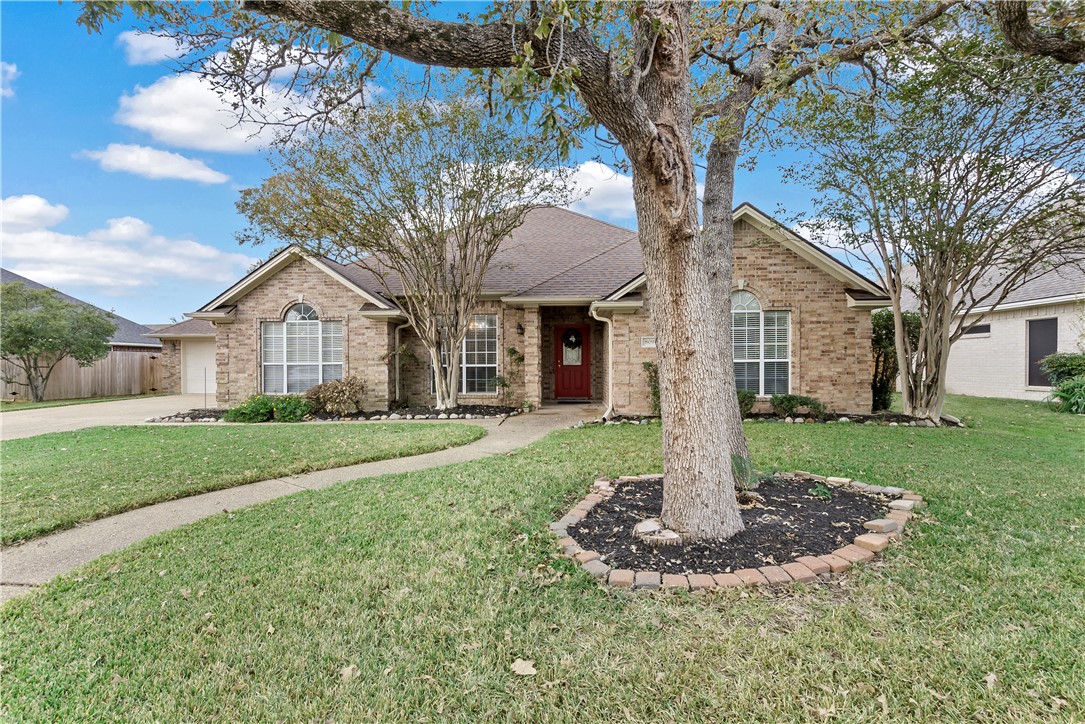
300	352
761	342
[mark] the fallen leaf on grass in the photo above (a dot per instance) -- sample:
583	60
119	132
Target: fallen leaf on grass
522	667
270	629
990	679
349	672
885	704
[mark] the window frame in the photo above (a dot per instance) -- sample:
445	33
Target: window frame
327	330
496	365
761	343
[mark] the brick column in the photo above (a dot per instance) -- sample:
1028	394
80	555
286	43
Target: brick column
532	356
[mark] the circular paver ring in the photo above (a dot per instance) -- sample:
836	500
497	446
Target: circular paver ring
805	569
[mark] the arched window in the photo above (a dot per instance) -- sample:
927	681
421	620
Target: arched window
761	343
301	351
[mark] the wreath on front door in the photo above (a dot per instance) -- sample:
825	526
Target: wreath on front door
572	339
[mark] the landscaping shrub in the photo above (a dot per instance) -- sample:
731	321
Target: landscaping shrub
290	408
264	408
651	374
884	347
1062	366
746	401
337	397
1069	395
258	408
786	405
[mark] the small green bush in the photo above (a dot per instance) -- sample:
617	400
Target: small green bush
337	397
291	408
1062	366
264	408
258	408
746	401
786	405
1069	395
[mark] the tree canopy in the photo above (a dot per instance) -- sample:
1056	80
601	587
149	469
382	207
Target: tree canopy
38	329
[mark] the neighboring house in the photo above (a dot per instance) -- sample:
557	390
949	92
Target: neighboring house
999	355
188	356
567	292
130	369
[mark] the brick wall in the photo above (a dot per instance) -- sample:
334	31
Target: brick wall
169	362
415	375
365	342
830	343
996	365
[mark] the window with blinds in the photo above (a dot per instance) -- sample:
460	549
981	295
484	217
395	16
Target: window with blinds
300	352
761	343
478	357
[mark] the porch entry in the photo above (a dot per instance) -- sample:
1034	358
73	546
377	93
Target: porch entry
572	362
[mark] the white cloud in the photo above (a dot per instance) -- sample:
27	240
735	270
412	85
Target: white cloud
23	213
609	193
831	237
8	73
154	164
124	256
183	111
146	49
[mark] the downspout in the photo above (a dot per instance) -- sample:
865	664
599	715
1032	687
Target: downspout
396	353
610	360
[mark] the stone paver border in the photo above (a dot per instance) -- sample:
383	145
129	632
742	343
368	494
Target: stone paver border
805	569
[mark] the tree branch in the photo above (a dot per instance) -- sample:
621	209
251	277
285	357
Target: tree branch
1012	17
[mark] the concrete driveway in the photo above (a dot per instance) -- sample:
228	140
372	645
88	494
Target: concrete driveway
27	423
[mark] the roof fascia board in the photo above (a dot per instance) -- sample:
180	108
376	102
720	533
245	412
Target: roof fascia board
550	301
1041	302
213	316
618	307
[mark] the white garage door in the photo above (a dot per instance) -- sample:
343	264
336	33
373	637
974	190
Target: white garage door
198	359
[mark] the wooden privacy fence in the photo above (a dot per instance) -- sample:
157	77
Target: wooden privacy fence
123	372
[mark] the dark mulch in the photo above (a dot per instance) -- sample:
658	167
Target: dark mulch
789	523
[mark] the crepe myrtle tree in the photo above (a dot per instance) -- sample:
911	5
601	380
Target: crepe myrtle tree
958	181
38	329
657	79
420	192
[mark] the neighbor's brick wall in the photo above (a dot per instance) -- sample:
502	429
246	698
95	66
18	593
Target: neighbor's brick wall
365	341
997	365
830	343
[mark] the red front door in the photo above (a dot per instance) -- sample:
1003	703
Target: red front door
572	361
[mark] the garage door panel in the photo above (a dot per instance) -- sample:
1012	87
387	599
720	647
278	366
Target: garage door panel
198	362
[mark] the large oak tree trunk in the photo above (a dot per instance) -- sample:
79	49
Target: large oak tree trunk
695	381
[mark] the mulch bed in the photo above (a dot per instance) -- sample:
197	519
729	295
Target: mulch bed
787	524
429	413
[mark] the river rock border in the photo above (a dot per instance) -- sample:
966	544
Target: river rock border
805	569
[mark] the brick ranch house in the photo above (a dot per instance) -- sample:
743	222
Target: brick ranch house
567	292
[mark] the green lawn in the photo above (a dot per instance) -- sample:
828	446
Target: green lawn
55	481
431	584
10	406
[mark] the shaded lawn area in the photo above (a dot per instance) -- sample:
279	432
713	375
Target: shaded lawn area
55	481
10	406
433	583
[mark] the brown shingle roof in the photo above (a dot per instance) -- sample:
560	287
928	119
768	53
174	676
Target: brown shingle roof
187	328
555	252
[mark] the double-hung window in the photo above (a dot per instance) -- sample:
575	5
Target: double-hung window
761	343
300	352
478	357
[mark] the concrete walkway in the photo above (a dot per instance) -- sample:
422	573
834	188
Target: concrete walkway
27	423
36	562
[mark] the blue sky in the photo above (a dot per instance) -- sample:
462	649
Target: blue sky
119	177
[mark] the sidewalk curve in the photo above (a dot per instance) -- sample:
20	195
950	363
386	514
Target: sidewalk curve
37	561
